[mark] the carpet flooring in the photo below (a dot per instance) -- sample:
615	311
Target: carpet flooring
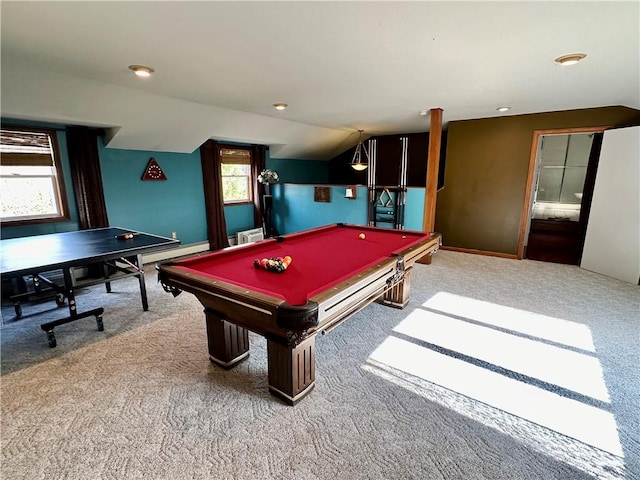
497	369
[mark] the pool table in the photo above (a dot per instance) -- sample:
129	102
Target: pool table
336	270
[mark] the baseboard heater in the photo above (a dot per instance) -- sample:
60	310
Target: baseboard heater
249	236
246	236
181	251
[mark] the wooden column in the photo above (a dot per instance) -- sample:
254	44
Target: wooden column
433	162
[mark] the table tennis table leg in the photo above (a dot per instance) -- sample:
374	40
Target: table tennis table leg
143	288
73	313
135	267
105	274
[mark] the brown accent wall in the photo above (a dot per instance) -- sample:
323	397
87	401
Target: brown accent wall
481	203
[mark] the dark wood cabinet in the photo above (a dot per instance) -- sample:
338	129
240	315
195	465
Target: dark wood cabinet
418	153
388	160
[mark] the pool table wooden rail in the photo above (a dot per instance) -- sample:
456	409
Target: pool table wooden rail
272	316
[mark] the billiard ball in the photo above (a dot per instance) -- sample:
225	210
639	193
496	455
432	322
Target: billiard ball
361	236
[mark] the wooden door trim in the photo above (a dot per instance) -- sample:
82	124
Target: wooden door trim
524	217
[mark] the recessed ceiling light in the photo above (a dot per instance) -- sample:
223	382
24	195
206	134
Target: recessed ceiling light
280	106
570	59
141	70
423	113
503	109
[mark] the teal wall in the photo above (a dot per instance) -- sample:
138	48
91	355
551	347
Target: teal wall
162	207
177	205
295	208
414	209
157	207
238	217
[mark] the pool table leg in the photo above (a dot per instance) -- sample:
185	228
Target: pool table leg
292	369
398	295
228	343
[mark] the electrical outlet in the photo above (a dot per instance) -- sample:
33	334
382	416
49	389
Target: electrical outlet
174	235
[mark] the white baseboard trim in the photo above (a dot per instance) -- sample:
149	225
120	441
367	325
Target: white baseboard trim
181	251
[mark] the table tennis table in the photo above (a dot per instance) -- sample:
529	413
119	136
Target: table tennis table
114	252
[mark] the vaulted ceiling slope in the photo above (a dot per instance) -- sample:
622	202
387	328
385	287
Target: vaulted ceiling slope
340	66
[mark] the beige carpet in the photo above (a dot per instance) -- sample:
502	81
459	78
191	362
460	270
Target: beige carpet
497	369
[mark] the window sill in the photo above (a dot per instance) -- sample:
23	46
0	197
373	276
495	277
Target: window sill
33	221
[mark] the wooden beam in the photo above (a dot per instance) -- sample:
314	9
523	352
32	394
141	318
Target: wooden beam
433	162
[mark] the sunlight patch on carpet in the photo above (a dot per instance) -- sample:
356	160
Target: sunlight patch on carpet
557	330
555	365
508	369
594	461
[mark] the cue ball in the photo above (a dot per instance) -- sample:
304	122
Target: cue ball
361	236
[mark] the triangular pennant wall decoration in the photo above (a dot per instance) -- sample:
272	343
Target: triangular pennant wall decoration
153	171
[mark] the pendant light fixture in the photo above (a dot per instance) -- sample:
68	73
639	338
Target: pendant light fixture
356	162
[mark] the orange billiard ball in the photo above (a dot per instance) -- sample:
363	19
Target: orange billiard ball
361	236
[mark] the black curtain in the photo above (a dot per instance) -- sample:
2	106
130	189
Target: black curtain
82	145
213	198
258	163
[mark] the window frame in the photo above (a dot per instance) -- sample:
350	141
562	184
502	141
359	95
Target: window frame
60	188
239	159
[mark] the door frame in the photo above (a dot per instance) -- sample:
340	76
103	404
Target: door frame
524	218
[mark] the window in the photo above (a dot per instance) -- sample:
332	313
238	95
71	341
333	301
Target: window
30	177
236	175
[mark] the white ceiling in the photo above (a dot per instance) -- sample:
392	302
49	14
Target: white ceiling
341	66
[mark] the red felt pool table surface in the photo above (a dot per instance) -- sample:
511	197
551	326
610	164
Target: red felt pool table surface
321	258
